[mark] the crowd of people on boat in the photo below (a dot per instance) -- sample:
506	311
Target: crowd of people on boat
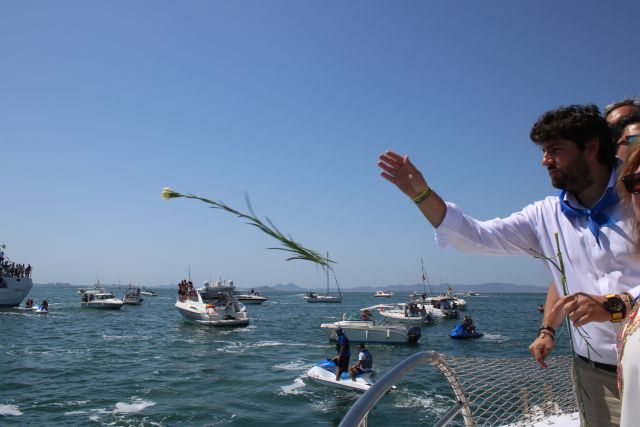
186	291
9	268
593	160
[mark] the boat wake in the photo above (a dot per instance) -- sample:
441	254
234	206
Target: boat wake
11	410
292	366
131	408
293	389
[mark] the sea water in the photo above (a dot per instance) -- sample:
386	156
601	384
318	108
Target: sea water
146	365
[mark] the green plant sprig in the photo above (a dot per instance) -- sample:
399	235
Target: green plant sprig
289	245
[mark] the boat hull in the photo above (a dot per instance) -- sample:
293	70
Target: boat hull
323	299
368	331
13	290
198	313
102	305
250	299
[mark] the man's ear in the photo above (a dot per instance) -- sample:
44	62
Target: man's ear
591	148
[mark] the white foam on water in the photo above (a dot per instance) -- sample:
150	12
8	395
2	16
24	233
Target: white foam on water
12	410
75	412
117	337
291	366
131	408
495	337
293	389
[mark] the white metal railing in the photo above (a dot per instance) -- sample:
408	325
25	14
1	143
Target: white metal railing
514	392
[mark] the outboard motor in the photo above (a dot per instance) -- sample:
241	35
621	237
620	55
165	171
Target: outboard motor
414	334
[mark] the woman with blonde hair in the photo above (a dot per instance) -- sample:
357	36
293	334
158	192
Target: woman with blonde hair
629	337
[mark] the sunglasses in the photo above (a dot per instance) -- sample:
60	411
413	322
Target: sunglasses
632	183
629	139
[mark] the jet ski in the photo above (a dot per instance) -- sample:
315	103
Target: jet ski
325	373
40	309
459	332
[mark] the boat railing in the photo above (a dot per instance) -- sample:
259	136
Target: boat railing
486	391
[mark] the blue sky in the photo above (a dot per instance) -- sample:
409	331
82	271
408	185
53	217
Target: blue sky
104	103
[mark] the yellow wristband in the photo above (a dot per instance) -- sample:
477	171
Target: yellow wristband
422	196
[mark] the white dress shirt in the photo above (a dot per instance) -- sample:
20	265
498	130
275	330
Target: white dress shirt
609	268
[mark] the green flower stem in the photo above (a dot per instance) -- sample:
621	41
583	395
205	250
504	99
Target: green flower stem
289	245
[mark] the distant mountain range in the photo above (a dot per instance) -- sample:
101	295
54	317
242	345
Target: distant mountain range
483	288
487	288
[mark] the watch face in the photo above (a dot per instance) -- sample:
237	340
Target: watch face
614	305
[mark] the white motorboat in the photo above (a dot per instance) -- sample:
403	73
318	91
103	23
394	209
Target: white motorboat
383	294
213	305
148	292
15	282
251	297
412	313
314	297
368	331
325	373
132	296
100	298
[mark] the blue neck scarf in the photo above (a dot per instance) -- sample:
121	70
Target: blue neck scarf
596	216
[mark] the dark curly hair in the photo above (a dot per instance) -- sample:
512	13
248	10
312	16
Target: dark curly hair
577	123
618	129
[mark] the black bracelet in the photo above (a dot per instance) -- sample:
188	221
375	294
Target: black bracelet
547	334
546	327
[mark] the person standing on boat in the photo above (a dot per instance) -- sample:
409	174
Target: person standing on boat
364	363
344	353
629	339
594	235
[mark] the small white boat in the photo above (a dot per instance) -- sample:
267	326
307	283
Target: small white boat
214	306
325	373
100	298
251	297
313	297
132	296
412	313
383	294
148	292
368	331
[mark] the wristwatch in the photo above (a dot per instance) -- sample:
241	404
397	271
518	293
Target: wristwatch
615	305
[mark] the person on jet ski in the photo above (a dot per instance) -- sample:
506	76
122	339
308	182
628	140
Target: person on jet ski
364	363
344	353
467	324
45	304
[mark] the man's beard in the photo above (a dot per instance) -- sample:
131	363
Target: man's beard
573	178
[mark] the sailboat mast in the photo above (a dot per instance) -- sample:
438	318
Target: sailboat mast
327	268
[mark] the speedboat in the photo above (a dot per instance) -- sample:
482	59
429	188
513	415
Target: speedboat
148	292
412	313
459	332
252	297
15	284
213	305
383	294
325	373
369	331
101	298
132	296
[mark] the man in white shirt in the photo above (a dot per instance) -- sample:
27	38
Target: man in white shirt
603	274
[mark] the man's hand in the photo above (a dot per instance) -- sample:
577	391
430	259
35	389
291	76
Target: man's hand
402	173
584	308
541	347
